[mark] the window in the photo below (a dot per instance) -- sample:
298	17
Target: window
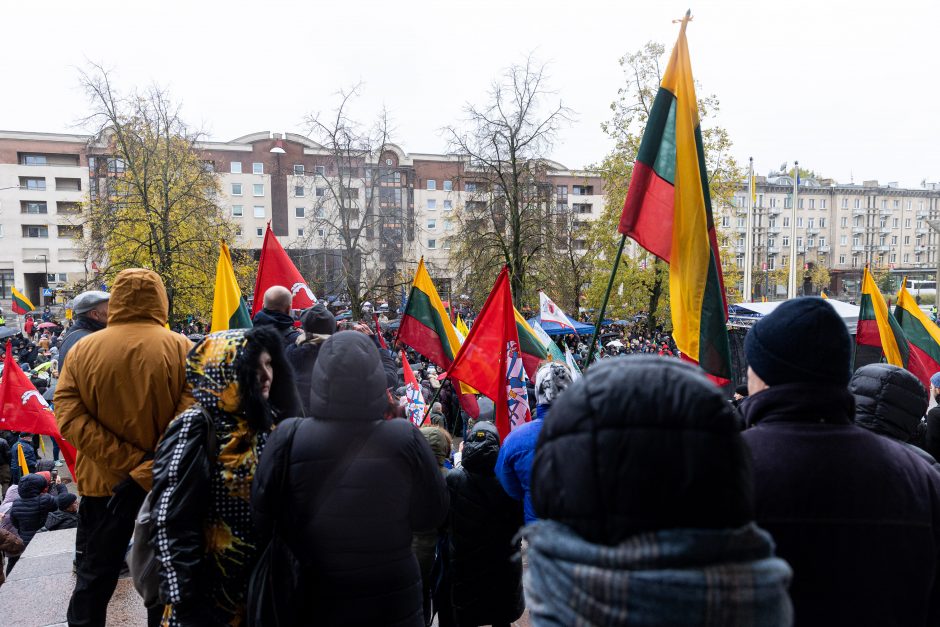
810	222
432	184
812	203
235	167
894	240
237	211
897	204
843	240
320	232
799	242
773	203
30	230
841	259
469	187
799	223
894	257
582	208
907	257
298	190
259	232
238	231
786	221
33	160
822	203
810	241
70	208
884	203
446	243
845	203
300	232
858	203
738	200
298	169
586	190
844	222
742	222
725	221
70	232
257	168
298	212
822	223
907	223
786	241
448	185
29	206
259	211
771	242
448	205
33	184
236	189
907	240
895	222
432	204
318	212
258	189
855	241
448	225
432	244
321	191
432	224
319	169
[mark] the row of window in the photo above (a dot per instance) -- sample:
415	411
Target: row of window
811	203
811	222
38	184
42	231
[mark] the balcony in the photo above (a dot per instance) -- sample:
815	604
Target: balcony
812	230
882	249
800	249
774	211
922	231
858	249
739	249
741	229
824	249
920	249
923	214
741	211
858	229
773	250
773	230
885	211
859	212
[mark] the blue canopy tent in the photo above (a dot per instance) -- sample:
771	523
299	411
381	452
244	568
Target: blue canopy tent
553	328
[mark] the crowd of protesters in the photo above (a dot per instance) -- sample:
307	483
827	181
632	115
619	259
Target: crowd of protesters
286	487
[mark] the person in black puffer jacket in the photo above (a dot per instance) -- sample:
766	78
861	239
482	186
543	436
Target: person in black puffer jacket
29	512
890	401
318	324
484	520
355	489
276	314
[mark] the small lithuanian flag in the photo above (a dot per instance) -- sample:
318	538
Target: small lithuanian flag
21	304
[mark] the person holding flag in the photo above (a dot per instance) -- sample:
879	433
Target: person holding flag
550	312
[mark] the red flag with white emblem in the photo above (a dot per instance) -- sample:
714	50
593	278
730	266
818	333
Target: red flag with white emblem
22	408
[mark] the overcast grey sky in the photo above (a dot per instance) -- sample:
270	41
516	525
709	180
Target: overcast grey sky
848	88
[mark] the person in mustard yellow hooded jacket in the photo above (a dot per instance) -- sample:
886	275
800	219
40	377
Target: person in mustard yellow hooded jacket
123	386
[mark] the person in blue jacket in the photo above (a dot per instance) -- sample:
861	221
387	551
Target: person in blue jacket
514	465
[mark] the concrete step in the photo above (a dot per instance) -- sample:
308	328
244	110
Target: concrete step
38	588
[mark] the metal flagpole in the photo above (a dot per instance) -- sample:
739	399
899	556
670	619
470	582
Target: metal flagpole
749	234
600	315
791	284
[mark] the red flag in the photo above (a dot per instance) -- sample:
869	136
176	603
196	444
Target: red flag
22	408
276	268
378	331
490	360
416	408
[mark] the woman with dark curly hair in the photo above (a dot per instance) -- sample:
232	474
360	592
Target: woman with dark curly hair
202	473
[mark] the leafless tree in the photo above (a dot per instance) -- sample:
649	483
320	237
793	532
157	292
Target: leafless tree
505	143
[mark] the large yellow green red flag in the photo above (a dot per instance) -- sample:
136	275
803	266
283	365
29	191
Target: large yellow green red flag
877	327
668	212
426	327
229	310
922	334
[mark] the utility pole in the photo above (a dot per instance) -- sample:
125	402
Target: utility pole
749	234
791	285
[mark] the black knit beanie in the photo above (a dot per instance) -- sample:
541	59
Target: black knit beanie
319	321
802	341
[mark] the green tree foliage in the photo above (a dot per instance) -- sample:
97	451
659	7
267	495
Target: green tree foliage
642	282
155	204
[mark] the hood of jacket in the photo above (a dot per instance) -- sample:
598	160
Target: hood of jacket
888	400
31	486
348	381
138	295
272	318
440	446
85	323
481	448
799	402
212	370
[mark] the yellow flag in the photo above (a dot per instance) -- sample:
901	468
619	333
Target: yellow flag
21	460
462	326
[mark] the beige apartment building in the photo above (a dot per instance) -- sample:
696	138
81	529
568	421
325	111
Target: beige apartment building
408	201
840	226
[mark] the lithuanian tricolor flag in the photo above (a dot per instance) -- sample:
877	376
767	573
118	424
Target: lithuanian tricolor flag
21	304
229	311
922	334
426	327
877	327
532	348
668	212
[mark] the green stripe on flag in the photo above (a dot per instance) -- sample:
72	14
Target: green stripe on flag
658	147
420	308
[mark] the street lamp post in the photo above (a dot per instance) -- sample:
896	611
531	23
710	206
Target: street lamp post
935	225
45	274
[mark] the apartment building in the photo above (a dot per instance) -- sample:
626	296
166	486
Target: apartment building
43	183
408	200
840	226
